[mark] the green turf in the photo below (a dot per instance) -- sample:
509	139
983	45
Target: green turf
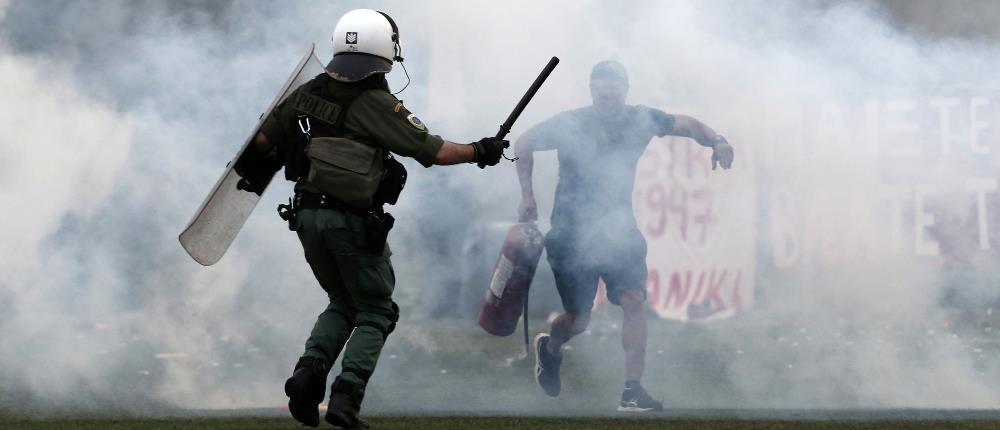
475	423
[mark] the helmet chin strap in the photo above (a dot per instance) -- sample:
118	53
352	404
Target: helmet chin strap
407	76
397	49
399	59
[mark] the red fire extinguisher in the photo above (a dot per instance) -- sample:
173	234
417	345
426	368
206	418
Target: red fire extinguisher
507	295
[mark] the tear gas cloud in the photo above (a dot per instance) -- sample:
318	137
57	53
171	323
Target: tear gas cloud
862	133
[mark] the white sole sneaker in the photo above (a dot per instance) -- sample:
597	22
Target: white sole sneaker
549	370
538	359
632	409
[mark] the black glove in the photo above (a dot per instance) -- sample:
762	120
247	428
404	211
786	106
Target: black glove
489	150
256	170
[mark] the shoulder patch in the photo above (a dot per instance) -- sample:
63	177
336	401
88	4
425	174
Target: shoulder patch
416	123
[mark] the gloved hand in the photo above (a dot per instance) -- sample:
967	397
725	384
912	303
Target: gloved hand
489	150
256	170
722	153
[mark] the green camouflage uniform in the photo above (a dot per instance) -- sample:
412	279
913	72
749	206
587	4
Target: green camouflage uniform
358	281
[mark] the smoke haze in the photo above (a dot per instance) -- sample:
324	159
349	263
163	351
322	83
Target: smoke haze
119	116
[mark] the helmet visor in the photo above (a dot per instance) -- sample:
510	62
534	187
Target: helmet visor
355	66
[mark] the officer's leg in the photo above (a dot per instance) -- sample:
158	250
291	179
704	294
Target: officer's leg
376	317
306	388
331	330
369	280
333	326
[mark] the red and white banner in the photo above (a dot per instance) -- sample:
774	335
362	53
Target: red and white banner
700	227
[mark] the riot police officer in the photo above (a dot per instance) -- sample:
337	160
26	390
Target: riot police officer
337	134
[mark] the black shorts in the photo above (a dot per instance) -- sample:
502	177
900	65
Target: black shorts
579	260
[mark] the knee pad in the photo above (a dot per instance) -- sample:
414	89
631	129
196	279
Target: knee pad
341	310
393	319
385	324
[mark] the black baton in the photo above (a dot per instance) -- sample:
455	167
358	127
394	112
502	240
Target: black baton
505	127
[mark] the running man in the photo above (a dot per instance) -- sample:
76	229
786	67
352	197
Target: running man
594	233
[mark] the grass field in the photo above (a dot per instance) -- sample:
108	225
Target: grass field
443	375
475	423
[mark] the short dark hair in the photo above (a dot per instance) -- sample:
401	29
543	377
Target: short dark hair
610	70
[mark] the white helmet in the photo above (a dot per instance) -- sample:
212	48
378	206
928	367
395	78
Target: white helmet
365	42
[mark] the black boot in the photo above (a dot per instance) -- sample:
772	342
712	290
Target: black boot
345	404
306	389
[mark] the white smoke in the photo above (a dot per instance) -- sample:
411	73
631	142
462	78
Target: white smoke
62	152
115	128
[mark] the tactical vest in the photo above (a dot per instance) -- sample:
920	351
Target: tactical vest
357	174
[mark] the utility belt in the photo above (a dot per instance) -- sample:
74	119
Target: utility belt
377	221
307	200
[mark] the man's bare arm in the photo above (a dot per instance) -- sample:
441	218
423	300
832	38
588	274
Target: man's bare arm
686	126
722	152
454	153
524	150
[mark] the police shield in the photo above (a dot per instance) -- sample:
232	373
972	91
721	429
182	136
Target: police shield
234	196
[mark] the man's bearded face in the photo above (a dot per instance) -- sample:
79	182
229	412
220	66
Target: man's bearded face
608	93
